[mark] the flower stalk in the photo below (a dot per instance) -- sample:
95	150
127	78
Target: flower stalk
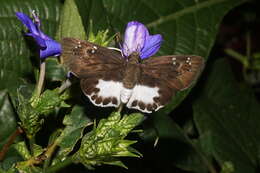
41	78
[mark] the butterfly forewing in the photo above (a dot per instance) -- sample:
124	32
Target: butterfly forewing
161	78
100	70
178	71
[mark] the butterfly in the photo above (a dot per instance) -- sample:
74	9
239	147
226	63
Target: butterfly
108	79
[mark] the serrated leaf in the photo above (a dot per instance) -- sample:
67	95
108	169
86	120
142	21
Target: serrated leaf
70	22
75	123
30	119
106	142
230	112
22	149
48	101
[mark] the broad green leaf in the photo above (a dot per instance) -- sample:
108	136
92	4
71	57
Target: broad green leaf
15	55
54	70
7	118
75	123
230	112
70	22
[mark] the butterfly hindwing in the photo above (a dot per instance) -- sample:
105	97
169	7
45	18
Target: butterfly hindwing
161	78
99	69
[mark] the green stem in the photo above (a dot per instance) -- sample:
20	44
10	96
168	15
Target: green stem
48	155
248	45
64	85
31	144
241	58
41	78
60	165
119	109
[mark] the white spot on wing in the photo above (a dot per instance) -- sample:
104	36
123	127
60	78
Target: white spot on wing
126	94
144	94
107	89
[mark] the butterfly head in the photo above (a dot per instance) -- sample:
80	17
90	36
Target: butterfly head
134	58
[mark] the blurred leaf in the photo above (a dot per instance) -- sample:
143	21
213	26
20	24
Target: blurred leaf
15	65
54	70
180	150
28	169
11	158
7	118
230	113
70	22
75	123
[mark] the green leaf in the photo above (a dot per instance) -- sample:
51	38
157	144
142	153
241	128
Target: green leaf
75	123
106	142
48	102
31	121
15	55
230	112
22	150
11	158
7	118
54	70
70	22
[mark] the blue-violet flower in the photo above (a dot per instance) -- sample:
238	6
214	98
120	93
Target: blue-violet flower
48	46
137	39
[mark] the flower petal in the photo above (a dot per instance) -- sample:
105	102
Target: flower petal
40	41
134	38
53	48
27	22
151	46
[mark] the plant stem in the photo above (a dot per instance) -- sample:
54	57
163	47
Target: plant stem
48	155
10	141
64	85
31	143
120	108
60	165
41	78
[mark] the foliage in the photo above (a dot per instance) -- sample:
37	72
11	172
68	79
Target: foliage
60	128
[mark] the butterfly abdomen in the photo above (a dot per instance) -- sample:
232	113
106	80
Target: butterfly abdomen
131	75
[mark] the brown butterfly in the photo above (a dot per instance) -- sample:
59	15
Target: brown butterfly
109	79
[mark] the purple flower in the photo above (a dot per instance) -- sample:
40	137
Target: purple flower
48	47
137	39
